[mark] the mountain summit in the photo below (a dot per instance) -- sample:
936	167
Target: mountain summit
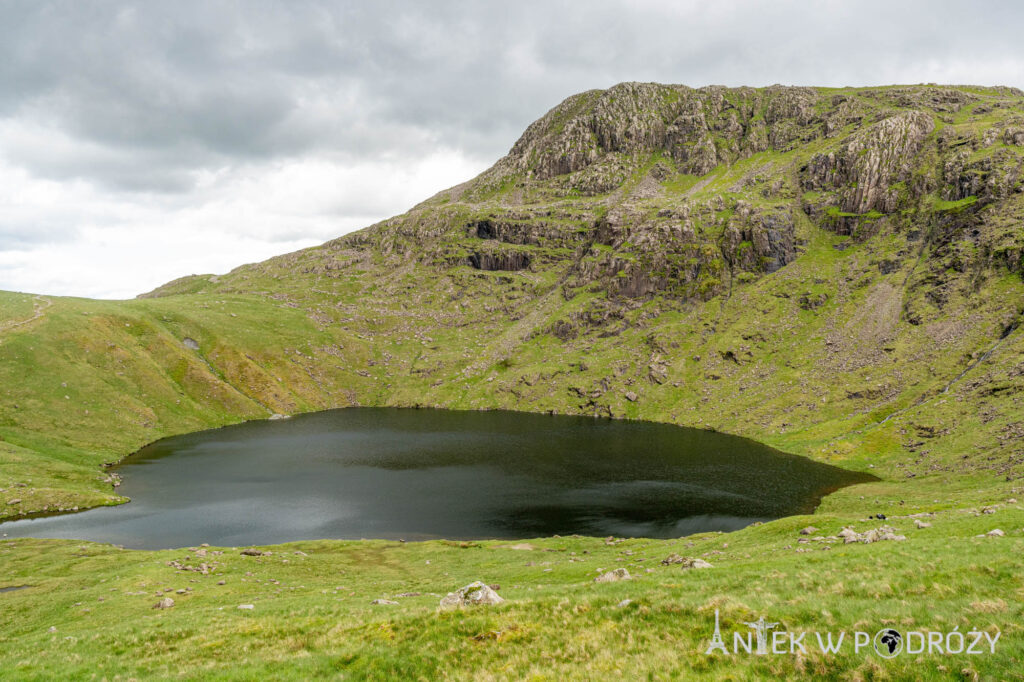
834	271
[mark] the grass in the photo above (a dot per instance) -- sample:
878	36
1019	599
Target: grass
313	617
869	377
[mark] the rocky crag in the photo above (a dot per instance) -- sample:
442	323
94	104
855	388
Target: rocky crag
833	271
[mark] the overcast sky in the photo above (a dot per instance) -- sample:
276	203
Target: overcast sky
144	141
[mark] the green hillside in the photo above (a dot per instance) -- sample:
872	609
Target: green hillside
834	272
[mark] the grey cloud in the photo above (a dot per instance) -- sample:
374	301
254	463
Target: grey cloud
215	83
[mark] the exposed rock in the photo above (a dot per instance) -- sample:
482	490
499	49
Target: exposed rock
164	603
695	563
685	562
613	576
884	533
246	607
624	603
499	260
254	552
864	171
384	602
190	343
995	533
809	530
474	594
631	396
918	523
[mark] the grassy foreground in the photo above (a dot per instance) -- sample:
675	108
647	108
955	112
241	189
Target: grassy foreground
750	287
89	611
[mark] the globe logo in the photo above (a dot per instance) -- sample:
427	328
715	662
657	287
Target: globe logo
888	643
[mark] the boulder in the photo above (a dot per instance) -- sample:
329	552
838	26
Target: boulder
695	563
476	593
613	576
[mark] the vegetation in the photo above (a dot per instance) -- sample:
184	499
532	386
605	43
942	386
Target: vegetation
735	296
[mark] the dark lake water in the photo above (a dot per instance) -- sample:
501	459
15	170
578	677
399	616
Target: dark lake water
419	474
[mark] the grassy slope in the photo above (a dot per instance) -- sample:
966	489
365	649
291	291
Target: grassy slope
85	382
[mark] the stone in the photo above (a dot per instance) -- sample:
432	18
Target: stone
253	552
695	563
246	607
809	530
613	576
624	603
995	533
848	535
384	602
673	559
164	603
476	593
918	523
631	396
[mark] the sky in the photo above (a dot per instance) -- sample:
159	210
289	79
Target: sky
145	141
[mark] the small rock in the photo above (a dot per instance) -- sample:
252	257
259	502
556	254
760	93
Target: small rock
246	607
631	396
613	576
53	628
673	559
16	500
995	533
384	602
474	594
222	582
809	530
254	552
164	603
918	523
624	603
696	563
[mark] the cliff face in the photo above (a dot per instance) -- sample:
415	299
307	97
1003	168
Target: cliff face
837	272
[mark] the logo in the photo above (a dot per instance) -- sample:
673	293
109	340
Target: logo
763	638
888	643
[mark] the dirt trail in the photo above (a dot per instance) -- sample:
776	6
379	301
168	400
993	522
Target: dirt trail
41	304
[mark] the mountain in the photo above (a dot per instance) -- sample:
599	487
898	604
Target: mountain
835	272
